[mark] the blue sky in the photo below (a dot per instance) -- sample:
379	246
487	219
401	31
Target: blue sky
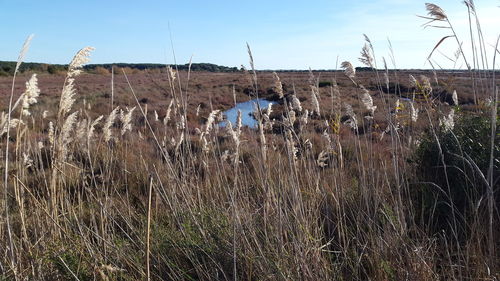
282	34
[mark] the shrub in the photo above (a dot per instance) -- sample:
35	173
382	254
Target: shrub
324	84
456	175
101	71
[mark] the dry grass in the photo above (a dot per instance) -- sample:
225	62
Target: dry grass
328	190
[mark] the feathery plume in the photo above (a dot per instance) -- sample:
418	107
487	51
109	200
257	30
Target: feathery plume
250	56
322	159
198	110
448	122
278	86
230	131
413	81
435	12
304	118
413	112
108	134
367	101
172	73
236	132
366	56
181	124
268	124
81	130
296	103
314	100
352	121
292	149
208	127
169	110
27	161
65	137
269	109
30	95
157	119
23	52
74	69
127	120
426	83
51	133
210	121
454	97
290	119
92	127
67	96
14	123
349	70
81	58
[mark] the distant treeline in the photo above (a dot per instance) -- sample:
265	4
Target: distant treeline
7	67
142	66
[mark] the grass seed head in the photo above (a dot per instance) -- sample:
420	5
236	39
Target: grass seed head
435	12
108	133
30	95
349	70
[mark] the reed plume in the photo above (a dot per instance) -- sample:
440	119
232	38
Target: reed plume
349	70
435	12
278	86
108	133
314	100
30	95
352	121
169	110
454	97
126	119
296	103
448	122
366	56
65	138
367	101
74	69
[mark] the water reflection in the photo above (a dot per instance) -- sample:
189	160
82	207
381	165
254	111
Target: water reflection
247	108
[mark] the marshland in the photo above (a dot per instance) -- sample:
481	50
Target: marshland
120	172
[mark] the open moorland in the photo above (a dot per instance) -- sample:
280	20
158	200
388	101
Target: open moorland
208	91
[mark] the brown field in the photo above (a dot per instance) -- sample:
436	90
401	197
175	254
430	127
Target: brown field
215	90
304	199
374	175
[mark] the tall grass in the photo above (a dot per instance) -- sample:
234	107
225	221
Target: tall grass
314	193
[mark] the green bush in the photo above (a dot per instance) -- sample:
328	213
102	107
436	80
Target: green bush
69	265
466	157
322	84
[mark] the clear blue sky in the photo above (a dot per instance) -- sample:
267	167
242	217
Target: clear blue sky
282	34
